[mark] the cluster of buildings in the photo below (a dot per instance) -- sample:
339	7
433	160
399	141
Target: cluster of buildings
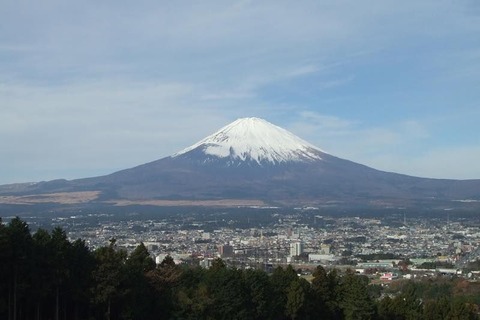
294	238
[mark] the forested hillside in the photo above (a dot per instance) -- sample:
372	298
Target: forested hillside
45	276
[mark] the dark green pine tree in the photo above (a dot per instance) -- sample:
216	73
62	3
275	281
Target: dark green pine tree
280	281
326	293
217	265
299	297
191	298
108	277
4	270
61	248
81	264
320	286
229	293
460	310
405	306
18	255
164	280
322	293
140	260
356	303
139	297
259	288
167	262
43	277
385	309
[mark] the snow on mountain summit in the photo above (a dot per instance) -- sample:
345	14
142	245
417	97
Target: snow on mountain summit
254	139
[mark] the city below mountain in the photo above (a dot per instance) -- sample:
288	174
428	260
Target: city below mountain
251	162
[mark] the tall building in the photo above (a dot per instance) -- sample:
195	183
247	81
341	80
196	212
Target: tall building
225	250
296	248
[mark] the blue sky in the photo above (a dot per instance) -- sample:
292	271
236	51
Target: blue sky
88	87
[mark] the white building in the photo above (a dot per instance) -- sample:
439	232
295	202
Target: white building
296	249
312	257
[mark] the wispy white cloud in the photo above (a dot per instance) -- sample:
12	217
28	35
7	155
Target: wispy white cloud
303	70
397	147
98	126
331	125
440	163
332	83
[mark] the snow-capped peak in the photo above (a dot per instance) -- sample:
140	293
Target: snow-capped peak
256	140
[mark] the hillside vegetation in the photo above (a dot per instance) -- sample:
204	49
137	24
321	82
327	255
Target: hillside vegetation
46	276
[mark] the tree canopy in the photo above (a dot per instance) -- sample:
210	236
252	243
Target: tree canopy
44	275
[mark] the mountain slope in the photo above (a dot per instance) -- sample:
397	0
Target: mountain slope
254	159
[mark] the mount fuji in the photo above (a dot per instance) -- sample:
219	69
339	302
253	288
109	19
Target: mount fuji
252	140
251	161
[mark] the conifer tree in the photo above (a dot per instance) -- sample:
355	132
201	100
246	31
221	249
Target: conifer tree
108	276
298	297
259	288
43	276
356	304
4	271
19	242
139	298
